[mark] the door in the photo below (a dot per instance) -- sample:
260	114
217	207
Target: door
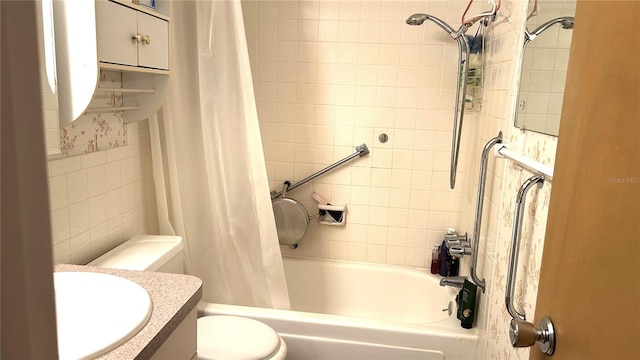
590	276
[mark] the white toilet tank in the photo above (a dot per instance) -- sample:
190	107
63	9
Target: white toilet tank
145	253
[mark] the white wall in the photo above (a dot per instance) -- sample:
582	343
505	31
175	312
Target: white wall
100	199
330	75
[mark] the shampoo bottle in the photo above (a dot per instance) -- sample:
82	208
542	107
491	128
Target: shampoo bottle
444	264
435	259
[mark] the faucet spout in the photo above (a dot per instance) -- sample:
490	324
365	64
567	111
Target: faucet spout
455	281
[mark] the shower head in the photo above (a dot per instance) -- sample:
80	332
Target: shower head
419	19
566	22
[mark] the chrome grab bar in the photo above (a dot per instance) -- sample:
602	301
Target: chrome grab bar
361	150
515	245
477	226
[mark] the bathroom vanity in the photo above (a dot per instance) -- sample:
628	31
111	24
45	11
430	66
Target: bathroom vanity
170	332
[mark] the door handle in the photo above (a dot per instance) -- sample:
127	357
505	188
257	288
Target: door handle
525	334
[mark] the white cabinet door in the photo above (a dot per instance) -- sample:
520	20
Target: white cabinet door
115	27
155	54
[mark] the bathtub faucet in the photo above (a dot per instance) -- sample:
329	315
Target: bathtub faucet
459	245
455	281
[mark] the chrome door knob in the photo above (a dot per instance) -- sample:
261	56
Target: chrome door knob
525	334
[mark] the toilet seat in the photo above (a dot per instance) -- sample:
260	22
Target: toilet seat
237	338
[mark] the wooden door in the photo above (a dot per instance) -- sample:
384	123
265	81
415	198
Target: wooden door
590	277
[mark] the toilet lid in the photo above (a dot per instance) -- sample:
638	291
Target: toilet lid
235	338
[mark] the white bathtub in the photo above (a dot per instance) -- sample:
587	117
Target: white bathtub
346	310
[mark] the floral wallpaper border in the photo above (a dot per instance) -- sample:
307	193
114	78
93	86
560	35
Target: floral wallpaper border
93	132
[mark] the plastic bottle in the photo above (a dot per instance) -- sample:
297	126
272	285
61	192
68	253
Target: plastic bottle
435	259
467	304
454	266
444	253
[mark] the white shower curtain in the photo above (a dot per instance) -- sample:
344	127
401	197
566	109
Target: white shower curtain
209	169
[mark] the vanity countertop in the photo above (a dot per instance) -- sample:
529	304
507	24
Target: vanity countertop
173	297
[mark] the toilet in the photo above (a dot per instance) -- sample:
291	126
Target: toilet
219	336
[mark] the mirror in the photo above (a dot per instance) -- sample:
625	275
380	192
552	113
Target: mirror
48	81
76	56
544	65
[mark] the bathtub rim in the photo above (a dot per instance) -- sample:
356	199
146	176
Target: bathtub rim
448	328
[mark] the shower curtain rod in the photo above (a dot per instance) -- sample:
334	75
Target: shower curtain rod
361	150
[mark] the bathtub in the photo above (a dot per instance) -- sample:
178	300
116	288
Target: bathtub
347	310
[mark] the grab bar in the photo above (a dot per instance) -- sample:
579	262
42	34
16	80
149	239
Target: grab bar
361	150
482	180
515	245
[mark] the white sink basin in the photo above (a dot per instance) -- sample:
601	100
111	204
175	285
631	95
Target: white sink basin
97	312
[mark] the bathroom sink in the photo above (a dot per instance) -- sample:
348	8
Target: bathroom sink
97	312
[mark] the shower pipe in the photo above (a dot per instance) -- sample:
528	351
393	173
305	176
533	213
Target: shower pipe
458	113
361	150
482	181
515	245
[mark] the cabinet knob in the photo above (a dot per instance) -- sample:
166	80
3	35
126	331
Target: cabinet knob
136	38
146	39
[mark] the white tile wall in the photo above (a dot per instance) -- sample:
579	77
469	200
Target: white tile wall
100	199
330	75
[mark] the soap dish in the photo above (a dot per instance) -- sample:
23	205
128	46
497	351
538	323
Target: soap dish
334	215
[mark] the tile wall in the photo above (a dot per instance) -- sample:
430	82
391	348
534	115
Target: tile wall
100	199
503	182
331	75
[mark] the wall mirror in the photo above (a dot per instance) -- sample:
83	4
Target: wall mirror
76	56
68	64
546	45
48	78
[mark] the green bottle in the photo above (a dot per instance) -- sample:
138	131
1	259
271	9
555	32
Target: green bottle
467	304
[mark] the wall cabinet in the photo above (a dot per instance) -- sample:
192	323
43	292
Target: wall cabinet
128	36
133	40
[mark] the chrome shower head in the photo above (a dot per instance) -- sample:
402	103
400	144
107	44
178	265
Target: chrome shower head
419	19
416	19
566	22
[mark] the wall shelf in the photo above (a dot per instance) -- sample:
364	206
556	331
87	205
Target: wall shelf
110	109
123	90
120	67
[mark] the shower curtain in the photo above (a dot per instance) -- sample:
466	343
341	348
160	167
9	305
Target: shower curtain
209	169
